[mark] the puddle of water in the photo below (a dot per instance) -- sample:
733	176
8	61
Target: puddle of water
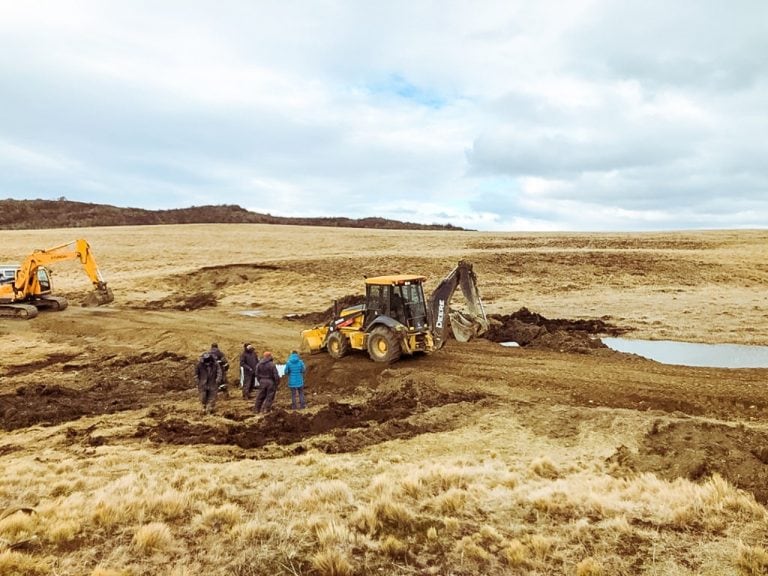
510	344
693	354
251	313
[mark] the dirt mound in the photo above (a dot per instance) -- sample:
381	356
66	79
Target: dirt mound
696	450
196	290
118	383
324	317
531	329
182	302
29	367
353	426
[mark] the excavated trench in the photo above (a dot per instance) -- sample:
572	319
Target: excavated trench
336	427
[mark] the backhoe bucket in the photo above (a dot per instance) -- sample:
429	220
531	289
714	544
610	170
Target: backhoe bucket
99	297
464	326
312	340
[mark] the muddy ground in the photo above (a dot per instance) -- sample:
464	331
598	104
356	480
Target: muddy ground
137	355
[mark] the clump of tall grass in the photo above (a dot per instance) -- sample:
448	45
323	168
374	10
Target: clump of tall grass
153	537
17	564
394	548
331	532
589	567
62	531
516	554
331	494
752	560
450	502
18	526
544	468
331	562
383	516
220	518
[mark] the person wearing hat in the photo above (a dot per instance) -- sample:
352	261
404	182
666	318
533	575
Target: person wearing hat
208	373
268	377
249	359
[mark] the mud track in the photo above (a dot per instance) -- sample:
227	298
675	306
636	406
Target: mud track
351	427
113	384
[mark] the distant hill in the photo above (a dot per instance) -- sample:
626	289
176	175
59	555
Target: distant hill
39	214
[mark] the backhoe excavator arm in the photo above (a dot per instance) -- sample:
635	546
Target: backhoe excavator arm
75	250
464	326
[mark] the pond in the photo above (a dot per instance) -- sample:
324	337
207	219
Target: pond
693	354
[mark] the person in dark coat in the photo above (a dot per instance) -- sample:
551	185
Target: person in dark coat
208	373
268	377
249	359
294	369
217	353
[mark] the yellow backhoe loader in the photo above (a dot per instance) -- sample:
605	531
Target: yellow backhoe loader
26	288
396	319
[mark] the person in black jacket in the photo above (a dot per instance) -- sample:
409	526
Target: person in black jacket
249	359
217	353
208	373
268	377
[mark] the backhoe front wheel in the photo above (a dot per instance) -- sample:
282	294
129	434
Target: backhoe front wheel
338	345
383	345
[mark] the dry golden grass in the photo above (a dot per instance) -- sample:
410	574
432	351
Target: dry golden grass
490	493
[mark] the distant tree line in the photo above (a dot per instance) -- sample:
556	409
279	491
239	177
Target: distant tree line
63	213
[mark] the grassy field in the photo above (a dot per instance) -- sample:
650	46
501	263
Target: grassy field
476	459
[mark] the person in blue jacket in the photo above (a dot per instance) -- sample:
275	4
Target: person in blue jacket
294	370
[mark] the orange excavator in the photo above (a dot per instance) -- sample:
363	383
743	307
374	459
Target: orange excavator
27	288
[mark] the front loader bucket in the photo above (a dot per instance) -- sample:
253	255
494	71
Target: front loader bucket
312	340
99	297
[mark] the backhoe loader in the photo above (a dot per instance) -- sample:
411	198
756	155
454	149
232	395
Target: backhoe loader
26	288
396	319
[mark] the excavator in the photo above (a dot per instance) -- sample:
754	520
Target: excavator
26	288
397	319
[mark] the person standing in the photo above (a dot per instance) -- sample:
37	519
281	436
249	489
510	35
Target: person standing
294	369
208	373
249	359
221	359
268	377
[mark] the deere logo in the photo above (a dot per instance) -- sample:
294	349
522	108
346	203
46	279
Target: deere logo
440	313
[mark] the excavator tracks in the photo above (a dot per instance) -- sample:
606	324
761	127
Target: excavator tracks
19	311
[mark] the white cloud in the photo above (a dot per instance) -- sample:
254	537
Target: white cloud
494	115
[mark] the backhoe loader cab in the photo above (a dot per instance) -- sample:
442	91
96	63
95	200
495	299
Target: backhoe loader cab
397	319
392	321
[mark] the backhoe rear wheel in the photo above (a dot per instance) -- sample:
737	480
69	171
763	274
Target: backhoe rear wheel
383	345
338	345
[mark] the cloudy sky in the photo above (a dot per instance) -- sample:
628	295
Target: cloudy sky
487	114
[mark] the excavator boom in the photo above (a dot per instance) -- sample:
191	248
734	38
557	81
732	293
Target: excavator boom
463	325
30	286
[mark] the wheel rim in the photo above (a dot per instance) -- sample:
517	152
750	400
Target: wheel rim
381	346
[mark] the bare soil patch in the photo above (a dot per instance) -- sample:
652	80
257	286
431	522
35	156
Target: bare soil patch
348	427
696	450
